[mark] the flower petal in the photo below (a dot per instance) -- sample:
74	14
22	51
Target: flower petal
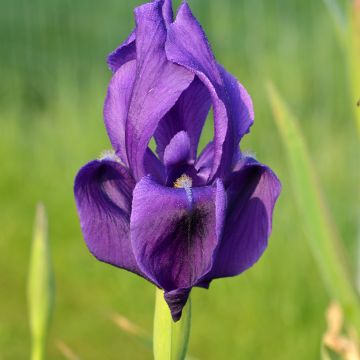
103	192
124	53
178	150
204	162
117	105
188	114
159	83
154	167
187	45
176	300
127	50
251	192
174	234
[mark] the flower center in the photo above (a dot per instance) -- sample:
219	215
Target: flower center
184	182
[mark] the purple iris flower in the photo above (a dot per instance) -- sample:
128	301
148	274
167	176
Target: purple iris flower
177	219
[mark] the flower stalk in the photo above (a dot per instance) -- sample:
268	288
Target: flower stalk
170	338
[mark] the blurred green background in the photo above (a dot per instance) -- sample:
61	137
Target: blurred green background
53	80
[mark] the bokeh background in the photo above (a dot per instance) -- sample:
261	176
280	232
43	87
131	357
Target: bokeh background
53	80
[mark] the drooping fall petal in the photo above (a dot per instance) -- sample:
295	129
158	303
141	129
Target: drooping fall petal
251	192
103	193
174	232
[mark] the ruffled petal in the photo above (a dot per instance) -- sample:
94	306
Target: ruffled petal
103	193
187	45
127	50
124	53
159	83
251	193
174	232
117	105
188	114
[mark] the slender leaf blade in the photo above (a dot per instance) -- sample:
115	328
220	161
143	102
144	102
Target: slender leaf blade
354	58
319	227
40	285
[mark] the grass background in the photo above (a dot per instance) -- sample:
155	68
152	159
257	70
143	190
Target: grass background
53	81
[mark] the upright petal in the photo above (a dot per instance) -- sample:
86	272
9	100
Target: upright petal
178	161
103	194
251	192
167	11
205	160
116	107
178	150
240	113
174	234
127	50
188	114
124	53
159	83
154	167
187	45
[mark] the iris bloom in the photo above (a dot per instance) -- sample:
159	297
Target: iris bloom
177	219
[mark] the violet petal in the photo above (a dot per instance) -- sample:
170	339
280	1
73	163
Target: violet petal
252	193
103	192
188	46
159	83
188	114
174	234
116	107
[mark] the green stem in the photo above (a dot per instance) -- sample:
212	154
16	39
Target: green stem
170	338
38	352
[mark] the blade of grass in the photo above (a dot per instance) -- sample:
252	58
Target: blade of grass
319	228
40	285
354	57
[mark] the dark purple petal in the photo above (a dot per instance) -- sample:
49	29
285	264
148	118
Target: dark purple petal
176	300
159	83
103	194
174	233
116	107
124	53
188	114
187	45
251	193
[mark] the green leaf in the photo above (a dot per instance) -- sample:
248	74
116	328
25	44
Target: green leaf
318	225
170	339
354	57
40	285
